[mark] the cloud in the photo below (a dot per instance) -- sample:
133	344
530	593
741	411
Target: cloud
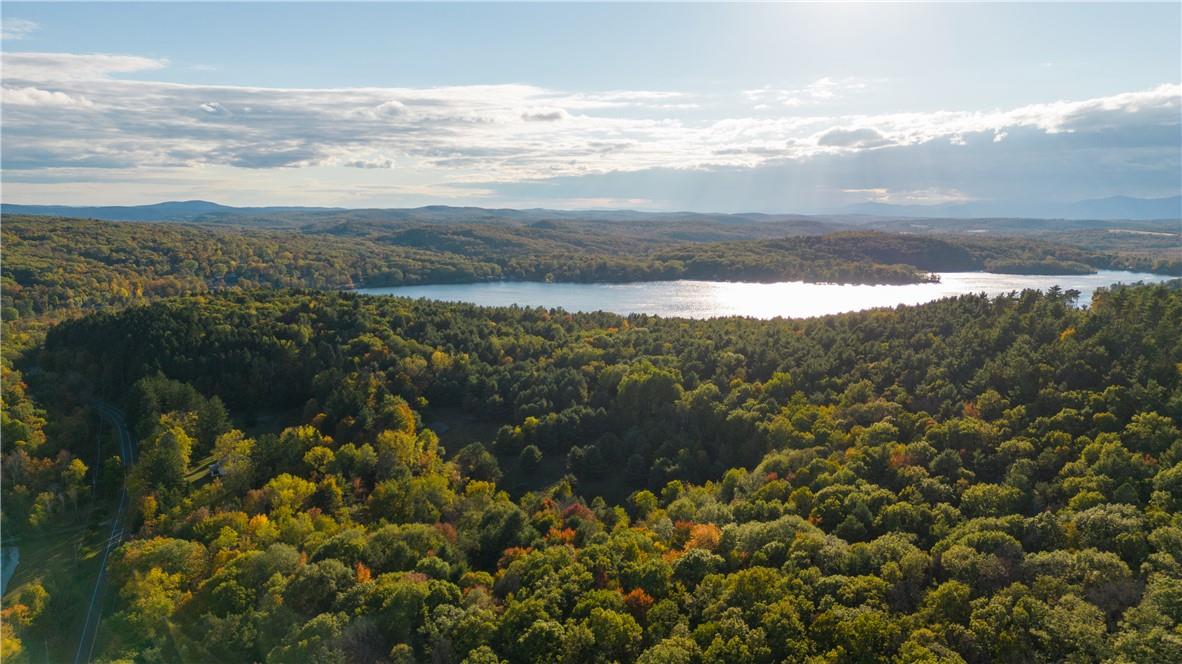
544	115
390	109
369	163
17	28
929	196
1156	107
491	136
268	155
37	97
1030	165
822	90
508	129
865	137
47	67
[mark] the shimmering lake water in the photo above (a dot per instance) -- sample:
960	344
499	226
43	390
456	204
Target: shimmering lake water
707	299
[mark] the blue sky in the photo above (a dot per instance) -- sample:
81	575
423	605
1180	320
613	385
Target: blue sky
708	107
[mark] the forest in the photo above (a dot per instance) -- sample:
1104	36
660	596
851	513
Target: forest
327	477
595	332
57	266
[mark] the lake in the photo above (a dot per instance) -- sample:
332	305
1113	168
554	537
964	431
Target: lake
707	299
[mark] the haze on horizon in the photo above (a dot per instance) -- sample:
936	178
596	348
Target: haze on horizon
778	108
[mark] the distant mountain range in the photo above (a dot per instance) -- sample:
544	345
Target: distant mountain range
167	211
1115	207
207	212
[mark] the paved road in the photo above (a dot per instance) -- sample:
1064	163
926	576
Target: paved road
94	610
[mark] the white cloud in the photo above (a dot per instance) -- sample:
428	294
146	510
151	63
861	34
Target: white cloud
929	196
17	28
478	133
47	67
1160	106
37	97
623	99
822	90
390	109
863	137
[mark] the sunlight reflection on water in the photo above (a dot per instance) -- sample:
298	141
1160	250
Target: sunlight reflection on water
706	299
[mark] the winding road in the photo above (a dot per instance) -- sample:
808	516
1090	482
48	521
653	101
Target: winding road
94	612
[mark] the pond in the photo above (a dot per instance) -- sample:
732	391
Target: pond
707	299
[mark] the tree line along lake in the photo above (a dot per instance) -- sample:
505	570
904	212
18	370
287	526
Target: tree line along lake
790	299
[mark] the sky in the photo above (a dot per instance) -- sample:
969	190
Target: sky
726	108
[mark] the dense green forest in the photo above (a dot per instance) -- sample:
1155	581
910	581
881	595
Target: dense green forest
51	265
976	479
329	477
